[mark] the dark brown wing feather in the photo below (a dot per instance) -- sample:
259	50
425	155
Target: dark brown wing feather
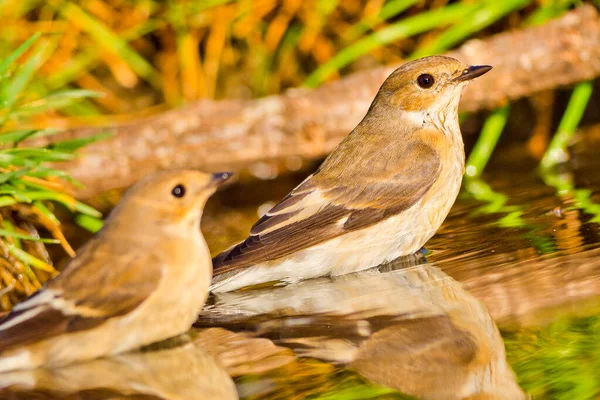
385	184
98	284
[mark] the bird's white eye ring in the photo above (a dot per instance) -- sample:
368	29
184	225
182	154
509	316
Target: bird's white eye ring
178	191
425	81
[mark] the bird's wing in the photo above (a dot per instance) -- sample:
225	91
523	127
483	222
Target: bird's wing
337	199
88	292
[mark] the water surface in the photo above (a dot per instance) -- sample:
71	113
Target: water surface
504	302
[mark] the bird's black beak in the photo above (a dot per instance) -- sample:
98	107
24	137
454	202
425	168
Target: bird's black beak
472	72
219	177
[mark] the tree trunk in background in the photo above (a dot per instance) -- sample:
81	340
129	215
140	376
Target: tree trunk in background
215	135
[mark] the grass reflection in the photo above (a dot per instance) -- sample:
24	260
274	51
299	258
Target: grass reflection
558	361
512	215
309	378
581	199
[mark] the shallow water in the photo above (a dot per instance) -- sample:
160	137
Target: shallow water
519	256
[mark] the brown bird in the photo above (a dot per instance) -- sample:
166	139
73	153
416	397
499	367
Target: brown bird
142	278
382	193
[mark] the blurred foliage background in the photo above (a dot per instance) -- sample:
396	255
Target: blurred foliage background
147	55
32	193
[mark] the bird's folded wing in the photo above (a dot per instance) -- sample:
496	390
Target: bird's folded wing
337	199
83	296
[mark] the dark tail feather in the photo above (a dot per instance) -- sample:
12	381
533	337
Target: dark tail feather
218	260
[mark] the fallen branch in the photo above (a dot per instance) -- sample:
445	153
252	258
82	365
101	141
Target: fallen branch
230	134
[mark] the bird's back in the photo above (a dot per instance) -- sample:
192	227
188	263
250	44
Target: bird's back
387	176
69	304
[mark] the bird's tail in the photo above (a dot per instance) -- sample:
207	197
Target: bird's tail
224	272
220	280
218	261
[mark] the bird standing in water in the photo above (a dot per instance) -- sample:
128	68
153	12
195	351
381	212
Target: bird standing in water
382	193
143	278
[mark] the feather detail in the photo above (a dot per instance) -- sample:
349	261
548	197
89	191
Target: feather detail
340	198
83	296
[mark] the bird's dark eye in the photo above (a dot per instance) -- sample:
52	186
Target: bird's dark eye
178	191
425	81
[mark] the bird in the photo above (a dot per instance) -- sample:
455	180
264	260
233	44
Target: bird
382	193
142	278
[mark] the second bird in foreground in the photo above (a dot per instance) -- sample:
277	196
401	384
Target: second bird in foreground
382	193
143	278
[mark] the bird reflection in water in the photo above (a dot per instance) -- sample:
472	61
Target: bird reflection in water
181	370
405	325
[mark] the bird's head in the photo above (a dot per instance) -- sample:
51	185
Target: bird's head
168	198
428	85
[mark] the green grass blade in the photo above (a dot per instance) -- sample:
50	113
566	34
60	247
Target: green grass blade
13	87
28	259
61	198
46	213
41	171
16	243
15	137
110	41
389	10
10	228
89	223
28	156
196	7
87	210
70	146
7	176
557	151
14	191
420	23
88	57
393	8
326	7
6	232
66	200
12	57
81	109
549	10
490	12
54	101
490	133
